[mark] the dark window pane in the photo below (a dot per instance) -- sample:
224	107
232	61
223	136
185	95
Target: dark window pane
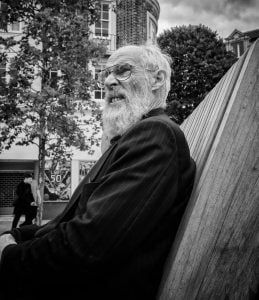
241	45
2	70
54	79
105	32
97	31
234	45
105	16
97	94
3	27
105	7
105	24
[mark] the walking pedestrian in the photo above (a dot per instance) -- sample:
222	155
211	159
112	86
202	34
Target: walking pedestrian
24	203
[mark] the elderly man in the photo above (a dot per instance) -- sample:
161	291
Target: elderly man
112	240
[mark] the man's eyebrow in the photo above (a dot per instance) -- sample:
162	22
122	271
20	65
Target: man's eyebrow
116	65
107	68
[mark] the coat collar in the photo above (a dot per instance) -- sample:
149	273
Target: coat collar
154	112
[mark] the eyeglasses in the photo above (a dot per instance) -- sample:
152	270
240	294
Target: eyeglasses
120	72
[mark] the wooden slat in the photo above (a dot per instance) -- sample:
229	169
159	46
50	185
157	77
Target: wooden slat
216	252
200	130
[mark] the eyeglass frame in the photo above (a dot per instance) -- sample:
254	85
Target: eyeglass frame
102	85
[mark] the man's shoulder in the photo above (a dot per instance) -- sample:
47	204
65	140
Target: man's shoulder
161	118
161	121
158	127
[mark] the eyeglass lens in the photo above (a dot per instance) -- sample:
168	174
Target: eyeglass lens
120	72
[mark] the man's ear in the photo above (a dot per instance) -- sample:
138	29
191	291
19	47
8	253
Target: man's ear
158	79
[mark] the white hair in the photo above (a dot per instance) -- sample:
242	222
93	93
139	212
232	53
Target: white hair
153	58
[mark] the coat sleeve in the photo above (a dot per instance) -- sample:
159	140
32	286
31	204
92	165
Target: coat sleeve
127	203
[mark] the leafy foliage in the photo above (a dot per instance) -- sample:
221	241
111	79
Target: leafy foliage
199	62
49	77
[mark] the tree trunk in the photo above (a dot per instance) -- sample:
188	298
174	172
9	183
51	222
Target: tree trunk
41	179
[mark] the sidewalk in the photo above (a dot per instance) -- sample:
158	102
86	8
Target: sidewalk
6	222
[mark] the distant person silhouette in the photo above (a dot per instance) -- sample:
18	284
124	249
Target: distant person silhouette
25	203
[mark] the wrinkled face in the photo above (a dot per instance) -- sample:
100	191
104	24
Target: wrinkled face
127	91
124	76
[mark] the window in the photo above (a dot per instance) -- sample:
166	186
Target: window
151	28
102	26
238	48
2	72
53	79
15	26
98	92
85	167
3	25
2	78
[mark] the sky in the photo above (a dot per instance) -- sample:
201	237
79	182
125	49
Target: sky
222	16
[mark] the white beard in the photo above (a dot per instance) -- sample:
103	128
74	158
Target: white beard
119	117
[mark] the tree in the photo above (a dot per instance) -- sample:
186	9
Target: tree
54	50
199	60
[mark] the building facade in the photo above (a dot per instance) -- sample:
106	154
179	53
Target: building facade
238	42
121	22
136	21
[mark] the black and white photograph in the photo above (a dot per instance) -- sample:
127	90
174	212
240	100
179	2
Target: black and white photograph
129	144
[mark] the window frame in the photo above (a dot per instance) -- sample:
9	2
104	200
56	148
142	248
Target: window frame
97	89
3	66
12	29
151	21
103	20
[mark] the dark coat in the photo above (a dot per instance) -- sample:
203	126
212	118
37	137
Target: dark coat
24	197
112	240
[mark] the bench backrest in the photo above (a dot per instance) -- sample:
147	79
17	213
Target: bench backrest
216	251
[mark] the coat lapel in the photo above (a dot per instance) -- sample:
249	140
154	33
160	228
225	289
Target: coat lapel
91	176
97	167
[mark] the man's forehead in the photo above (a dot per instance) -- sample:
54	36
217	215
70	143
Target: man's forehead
130	54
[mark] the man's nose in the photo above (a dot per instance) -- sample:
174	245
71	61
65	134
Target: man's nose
111	81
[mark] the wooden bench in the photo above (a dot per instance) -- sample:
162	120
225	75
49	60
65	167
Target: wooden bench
216	251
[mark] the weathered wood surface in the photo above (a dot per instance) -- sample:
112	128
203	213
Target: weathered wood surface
216	252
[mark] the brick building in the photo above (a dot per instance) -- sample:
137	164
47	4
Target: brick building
136	21
122	22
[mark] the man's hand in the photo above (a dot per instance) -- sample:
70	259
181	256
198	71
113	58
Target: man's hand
5	240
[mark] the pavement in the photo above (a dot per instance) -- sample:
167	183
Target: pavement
6	222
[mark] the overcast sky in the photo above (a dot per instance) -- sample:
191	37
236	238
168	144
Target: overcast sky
222	16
